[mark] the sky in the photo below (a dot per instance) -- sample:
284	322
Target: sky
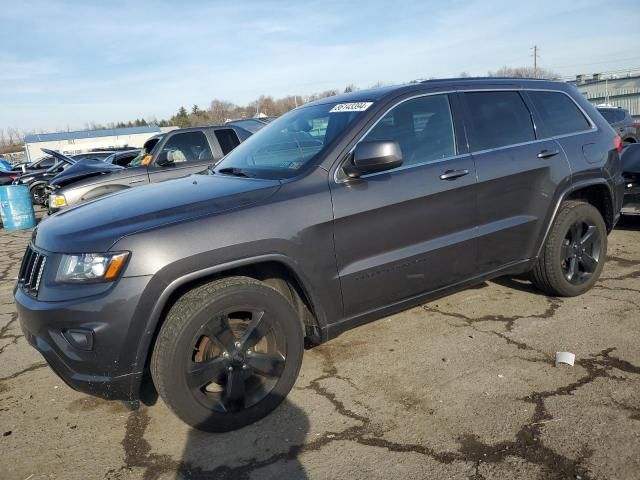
64	64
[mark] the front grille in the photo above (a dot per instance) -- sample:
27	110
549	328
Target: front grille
31	271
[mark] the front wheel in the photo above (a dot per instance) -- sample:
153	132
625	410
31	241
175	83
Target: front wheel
38	194
573	256
227	354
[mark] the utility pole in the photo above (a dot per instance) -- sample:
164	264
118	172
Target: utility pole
535	61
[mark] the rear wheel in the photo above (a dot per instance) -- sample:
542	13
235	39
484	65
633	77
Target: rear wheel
573	255
228	353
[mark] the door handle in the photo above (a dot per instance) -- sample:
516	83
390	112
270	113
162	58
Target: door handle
453	174
548	153
136	181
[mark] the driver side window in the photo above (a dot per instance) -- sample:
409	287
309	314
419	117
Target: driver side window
423	128
186	147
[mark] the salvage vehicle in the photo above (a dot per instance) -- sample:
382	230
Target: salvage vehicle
621	122
339	212
175	154
631	171
38	180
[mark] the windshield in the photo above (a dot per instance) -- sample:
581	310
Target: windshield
282	148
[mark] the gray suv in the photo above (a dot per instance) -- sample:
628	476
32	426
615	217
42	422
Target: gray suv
621	122
337	213
176	154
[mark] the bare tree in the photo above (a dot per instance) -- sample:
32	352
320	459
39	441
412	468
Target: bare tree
525	72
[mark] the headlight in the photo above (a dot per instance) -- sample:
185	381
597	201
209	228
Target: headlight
57	200
91	267
27	180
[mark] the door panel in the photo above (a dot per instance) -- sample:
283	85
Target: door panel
406	231
515	192
517	176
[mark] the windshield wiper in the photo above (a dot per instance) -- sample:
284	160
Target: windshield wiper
236	172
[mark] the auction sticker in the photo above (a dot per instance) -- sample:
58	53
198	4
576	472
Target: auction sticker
351	107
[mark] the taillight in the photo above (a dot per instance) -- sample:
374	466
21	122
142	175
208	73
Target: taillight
636	123
617	142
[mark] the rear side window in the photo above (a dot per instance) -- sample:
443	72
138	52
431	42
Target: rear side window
498	119
228	140
559	113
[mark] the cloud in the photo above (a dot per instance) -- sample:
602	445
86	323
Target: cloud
85	61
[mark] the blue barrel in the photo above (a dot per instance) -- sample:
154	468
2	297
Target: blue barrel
16	208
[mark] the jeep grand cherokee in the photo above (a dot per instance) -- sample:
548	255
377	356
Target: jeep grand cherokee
339	212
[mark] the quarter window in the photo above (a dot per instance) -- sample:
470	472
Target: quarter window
559	113
423	128
498	119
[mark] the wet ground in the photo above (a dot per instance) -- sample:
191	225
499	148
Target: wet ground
463	387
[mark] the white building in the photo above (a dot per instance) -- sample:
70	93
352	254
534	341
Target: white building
87	140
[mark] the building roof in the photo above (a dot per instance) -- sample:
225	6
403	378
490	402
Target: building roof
109	132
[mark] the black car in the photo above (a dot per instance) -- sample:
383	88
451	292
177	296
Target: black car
337	213
37	180
621	122
631	166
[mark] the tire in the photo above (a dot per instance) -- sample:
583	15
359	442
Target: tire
206	364
37	192
565	267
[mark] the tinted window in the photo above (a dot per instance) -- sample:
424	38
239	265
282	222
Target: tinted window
186	147
559	113
227	139
498	119
608	114
422	127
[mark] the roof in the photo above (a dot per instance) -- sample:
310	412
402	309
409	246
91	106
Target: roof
375	94
109	132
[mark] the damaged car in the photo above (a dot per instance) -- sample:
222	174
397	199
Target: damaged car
176	154
631	167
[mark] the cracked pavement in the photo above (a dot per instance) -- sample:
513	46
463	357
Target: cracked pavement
462	387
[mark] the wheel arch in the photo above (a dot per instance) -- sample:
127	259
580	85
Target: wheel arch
595	191
599	195
276	270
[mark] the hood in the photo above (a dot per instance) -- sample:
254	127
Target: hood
630	158
95	226
82	169
59	156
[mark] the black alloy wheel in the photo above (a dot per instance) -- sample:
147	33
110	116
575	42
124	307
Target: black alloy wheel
573	255
228	353
237	359
580	251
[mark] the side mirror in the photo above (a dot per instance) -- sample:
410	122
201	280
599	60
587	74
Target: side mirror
372	157
165	159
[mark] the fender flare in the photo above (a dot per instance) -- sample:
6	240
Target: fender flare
154	318
562	197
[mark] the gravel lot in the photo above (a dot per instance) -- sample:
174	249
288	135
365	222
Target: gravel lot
462	387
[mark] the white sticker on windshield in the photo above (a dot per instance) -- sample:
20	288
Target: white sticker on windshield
351	107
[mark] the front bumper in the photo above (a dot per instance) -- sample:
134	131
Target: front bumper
110	368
